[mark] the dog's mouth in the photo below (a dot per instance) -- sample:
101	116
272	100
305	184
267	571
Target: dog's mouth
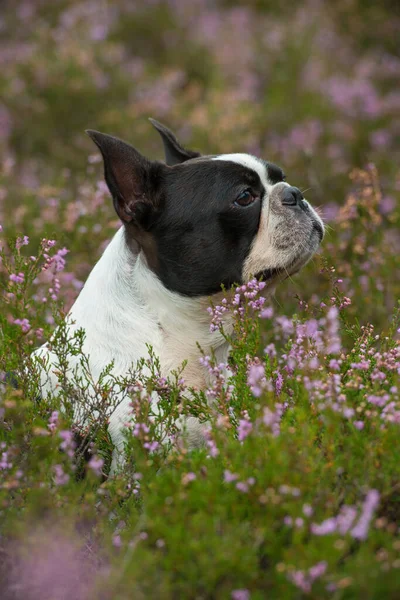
269	274
282	273
319	229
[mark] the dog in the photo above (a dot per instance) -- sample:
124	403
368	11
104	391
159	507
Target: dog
190	226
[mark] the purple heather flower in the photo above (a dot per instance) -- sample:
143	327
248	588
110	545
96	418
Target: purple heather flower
210	442
324	528
304	580
345	519
242	486
21	242
68	443
360	530
244	428
151	446
241	594
17	278
140	427
24	324
317	570
4	461
59	260
307	510
229	477
272	419
188	477
53	421
256	379
299	522
96	465
278	383
60	478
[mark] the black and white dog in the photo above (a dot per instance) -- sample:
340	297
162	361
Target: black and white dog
188	227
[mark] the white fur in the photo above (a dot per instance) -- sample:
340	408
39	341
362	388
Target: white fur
122	307
249	161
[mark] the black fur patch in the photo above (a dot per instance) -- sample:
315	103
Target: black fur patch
202	238
275	173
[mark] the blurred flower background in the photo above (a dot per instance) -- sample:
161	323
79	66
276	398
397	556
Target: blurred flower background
312	86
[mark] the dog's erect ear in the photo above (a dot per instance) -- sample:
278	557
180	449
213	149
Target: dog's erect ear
127	174
174	152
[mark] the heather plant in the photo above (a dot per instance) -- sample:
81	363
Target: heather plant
296	492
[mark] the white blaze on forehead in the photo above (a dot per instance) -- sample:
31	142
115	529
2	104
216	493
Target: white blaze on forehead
261	254
249	161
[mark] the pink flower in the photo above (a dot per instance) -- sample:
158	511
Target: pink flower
267	312
58	259
229	477
360	530
96	465
21	242
272	419
68	443
345	519
278	383
242	486
140	427
53	421
60	478
5	461
151	446
188	477
17	278
47	244
241	594
24	324
245	427
256	379
307	510
210	442
304	580
299	522
324	528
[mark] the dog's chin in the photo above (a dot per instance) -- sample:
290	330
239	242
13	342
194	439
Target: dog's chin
274	275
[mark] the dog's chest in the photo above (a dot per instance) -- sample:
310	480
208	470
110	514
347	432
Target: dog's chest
177	350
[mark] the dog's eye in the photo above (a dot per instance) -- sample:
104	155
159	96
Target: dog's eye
245	198
283	177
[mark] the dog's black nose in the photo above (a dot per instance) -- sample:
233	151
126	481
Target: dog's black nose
292	196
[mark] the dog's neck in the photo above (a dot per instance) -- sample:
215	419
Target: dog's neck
124	307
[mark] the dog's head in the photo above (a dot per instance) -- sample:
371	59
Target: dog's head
207	221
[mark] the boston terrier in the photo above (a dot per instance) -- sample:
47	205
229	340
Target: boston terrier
190	227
